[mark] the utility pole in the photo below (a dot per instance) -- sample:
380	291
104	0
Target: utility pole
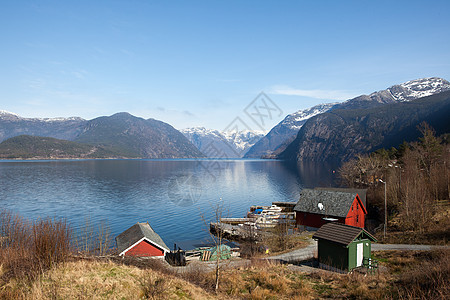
385	207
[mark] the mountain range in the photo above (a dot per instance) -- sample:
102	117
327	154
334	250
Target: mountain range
12	125
281	136
323	132
215	144
340	134
119	135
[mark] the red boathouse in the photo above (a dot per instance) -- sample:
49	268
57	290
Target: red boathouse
319	206
141	240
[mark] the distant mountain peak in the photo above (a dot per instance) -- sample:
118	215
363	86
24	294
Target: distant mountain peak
297	119
123	115
419	88
13	116
4	112
222	144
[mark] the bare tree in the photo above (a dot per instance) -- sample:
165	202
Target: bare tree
217	237
418	177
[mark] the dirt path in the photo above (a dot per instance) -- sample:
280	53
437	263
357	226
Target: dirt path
380	247
309	251
294	257
299	254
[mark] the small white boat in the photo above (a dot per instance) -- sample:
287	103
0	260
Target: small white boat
271	211
267	216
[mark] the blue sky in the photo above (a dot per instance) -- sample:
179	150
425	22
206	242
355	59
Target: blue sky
200	63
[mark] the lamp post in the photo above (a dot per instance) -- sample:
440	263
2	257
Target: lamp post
385	206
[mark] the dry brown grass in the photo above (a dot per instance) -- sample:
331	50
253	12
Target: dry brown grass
108	280
429	279
30	248
437	231
264	280
34	265
411	275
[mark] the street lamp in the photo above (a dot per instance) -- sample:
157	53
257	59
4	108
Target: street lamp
385	207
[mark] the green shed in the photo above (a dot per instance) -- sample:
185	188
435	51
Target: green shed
211	254
343	247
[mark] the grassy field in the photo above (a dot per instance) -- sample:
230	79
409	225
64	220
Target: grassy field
406	275
38	260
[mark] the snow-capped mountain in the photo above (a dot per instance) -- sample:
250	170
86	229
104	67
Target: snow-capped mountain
216	144
407	91
285	132
419	88
6	115
345	133
296	120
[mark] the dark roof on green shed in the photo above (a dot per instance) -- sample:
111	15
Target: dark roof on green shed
137	232
341	233
334	202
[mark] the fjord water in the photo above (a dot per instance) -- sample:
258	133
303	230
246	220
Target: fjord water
172	195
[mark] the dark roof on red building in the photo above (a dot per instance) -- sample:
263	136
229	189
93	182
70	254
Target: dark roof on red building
362	193
136	233
333	201
341	233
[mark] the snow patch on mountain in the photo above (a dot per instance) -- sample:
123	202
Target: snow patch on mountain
217	144
243	140
13	116
296	120
4	112
407	91
419	88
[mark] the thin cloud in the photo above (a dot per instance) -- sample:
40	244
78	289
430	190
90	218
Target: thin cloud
317	94
228	80
37	83
188	113
80	74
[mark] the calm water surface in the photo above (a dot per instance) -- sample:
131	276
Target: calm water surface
171	195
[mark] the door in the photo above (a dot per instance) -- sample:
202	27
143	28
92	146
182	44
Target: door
359	254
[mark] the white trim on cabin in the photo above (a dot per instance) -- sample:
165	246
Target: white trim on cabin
165	250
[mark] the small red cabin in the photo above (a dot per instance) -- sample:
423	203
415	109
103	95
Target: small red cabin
319	206
141	240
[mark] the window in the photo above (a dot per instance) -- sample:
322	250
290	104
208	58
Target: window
357	218
357	205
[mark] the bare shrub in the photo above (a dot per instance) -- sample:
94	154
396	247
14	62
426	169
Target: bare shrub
29	248
428	280
94	240
14	230
154	288
51	242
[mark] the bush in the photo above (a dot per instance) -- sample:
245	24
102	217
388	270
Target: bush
429	279
30	248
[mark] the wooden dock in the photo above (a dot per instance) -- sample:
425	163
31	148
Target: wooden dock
235	221
234	232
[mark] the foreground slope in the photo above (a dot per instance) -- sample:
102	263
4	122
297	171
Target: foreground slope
342	133
36	147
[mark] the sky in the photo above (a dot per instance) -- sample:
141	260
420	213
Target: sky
205	63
